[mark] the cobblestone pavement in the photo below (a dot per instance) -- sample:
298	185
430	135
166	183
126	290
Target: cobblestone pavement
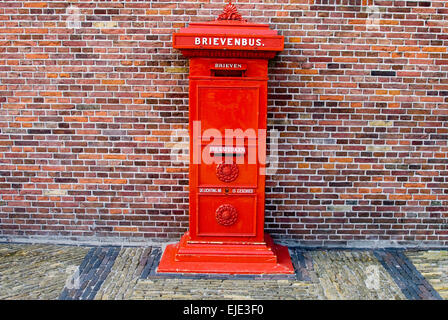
123	278
70	272
37	271
433	265
411	282
352	275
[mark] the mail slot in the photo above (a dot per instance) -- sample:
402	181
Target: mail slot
228	115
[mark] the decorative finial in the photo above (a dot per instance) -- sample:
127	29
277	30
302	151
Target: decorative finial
230	13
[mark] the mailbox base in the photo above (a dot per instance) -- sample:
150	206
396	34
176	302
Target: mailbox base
257	258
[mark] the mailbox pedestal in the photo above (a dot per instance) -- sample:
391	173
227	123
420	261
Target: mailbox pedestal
228	110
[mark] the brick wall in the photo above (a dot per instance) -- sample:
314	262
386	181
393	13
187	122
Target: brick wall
93	119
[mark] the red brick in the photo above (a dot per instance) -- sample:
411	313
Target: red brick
37	56
29	4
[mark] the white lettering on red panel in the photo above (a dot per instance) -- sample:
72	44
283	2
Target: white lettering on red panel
239	150
209	190
228	42
228	66
242	190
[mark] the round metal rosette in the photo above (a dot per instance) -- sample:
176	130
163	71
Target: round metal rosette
226	215
227	172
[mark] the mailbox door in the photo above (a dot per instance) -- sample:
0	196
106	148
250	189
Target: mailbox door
227	209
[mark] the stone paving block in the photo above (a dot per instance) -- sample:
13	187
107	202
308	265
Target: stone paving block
137	266
322	275
221	289
302	263
433	266
37	271
123	276
413	285
130	273
352	275
92	273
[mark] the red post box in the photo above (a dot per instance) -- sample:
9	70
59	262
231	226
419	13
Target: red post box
228	110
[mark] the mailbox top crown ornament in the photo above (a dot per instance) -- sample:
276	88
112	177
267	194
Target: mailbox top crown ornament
228	36
230	13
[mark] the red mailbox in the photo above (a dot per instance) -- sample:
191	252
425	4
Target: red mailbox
228	110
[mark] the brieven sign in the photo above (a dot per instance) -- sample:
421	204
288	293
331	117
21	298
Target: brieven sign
229	66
